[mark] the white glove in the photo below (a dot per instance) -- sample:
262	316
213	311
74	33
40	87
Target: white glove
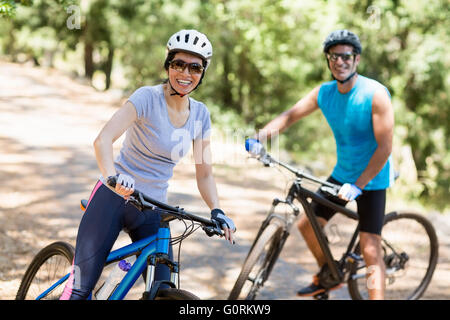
125	180
349	192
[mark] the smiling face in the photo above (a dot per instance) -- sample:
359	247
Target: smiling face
342	68
183	81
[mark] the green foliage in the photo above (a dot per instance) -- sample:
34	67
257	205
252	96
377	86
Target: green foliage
38	27
267	55
7	8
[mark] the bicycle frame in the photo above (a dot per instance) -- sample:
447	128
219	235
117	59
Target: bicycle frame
153	245
302	195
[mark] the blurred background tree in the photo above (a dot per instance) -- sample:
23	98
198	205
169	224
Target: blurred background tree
267	55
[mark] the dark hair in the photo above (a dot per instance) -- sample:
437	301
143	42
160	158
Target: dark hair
169	58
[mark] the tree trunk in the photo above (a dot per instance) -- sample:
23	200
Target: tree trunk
108	66
227	97
88	60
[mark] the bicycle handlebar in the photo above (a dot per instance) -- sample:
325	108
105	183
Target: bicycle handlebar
268	161
211	227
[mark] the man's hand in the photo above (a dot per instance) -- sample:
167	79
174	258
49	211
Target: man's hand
349	192
254	147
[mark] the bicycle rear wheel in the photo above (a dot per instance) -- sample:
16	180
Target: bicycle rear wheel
410	248
49	266
259	262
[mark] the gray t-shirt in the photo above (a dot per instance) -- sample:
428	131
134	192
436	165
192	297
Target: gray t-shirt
153	146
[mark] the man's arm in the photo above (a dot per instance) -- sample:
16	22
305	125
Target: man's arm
302	108
383	127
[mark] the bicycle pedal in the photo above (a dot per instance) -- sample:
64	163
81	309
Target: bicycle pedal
353	257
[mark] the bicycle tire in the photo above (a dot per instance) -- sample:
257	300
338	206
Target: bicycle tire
175	294
423	251
51	254
267	243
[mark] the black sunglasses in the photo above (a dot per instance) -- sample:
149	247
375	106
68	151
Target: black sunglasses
180	66
344	56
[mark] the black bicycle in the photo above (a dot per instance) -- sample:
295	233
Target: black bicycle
409	243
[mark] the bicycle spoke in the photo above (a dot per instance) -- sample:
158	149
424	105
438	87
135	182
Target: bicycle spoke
47	274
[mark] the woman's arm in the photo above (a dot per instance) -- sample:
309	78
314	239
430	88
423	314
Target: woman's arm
103	144
203	173
205	181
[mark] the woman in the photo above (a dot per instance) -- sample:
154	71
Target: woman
161	123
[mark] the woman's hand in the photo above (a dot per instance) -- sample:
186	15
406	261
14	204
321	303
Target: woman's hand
225	223
124	185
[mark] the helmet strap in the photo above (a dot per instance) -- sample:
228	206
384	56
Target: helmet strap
344	81
340	81
176	93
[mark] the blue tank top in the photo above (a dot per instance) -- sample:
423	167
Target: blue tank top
350	118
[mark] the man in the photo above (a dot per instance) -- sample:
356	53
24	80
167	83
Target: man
360	114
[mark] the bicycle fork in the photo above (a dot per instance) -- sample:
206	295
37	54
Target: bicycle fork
160	257
152	286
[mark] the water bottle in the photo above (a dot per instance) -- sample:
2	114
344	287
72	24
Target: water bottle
114	278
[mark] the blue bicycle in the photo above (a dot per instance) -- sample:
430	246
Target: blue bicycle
47	274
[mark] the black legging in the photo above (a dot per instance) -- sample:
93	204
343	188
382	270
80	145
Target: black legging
106	215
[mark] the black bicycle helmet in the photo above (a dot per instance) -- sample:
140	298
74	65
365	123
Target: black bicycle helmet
342	37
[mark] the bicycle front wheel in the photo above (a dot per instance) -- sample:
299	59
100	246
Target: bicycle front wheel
259	262
410	248
45	272
175	294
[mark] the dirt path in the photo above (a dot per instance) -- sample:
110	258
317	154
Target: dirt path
47	125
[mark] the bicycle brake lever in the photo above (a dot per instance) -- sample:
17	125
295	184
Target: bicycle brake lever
145	203
330	190
209	232
212	231
265	159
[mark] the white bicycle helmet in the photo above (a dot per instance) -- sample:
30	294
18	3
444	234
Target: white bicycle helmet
191	41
